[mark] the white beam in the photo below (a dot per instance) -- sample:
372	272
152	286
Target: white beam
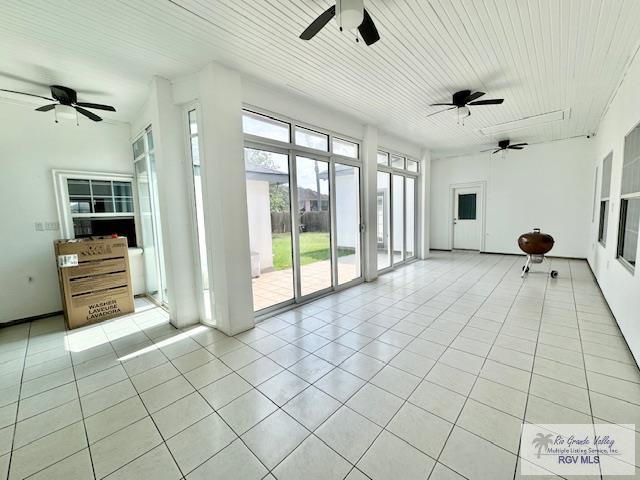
425	205
370	186
225	210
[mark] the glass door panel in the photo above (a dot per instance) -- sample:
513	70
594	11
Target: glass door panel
314	225
398	218
150	256
199	214
383	212
410	185
347	193
269	210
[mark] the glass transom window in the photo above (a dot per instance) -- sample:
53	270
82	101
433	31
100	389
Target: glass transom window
266	127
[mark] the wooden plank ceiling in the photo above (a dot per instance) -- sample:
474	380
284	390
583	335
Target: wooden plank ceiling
540	55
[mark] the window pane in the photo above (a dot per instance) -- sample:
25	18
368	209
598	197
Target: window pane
122	189
150	139
263	126
383	213
101	188
314	239
412	166
103	205
397	162
345	148
193	123
347	188
604	219
606	176
631	165
78	187
398	218
267	176
630	213
410	184
383	158
138	147
195	151
80	205
467	206
124	205
311	139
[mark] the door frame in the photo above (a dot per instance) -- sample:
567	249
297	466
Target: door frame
480	206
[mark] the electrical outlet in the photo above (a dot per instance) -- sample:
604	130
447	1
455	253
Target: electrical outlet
39	227
54	226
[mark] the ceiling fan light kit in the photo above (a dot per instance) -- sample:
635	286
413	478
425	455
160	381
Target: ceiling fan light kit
349	15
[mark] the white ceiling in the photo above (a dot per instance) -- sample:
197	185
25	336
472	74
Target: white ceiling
540	55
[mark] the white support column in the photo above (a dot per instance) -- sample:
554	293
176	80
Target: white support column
425	204
370	186
225	210
175	209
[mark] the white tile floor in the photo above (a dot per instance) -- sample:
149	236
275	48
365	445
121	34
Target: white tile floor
426	373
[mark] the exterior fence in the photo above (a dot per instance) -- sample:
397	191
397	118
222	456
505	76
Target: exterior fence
309	222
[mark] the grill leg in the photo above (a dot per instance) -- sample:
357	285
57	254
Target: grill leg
525	269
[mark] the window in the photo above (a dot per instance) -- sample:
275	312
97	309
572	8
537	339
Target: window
412	165
630	200
266	127
194	144
397	161
101	207
383	158
604	199
312	139
345	148
467	206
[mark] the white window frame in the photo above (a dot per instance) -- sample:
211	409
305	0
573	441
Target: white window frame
61	191
622	219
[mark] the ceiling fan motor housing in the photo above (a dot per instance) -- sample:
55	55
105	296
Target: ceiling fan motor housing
350	13
503	143
64	95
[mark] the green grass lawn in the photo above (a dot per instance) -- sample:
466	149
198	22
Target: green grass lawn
314	247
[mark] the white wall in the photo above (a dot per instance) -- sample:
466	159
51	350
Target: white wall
621	288
31	144
546	185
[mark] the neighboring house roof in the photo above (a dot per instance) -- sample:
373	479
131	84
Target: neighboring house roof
266	174
308	194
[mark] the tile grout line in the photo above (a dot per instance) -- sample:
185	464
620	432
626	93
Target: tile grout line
13	437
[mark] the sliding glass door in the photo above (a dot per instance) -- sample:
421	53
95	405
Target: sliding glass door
313	230
147	186
270	233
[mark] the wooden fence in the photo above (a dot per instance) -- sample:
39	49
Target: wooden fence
309	222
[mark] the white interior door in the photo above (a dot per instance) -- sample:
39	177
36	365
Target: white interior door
466	219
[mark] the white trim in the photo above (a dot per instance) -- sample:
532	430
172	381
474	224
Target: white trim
482	185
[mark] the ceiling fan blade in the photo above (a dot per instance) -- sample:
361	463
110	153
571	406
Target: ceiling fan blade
443	104
88	114
368	29
29	94
46	108
495	101
97	106
498	150
440	111
318	23
473	96
519	144
515	147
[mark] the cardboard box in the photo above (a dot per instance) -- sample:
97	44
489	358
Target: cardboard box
97	286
